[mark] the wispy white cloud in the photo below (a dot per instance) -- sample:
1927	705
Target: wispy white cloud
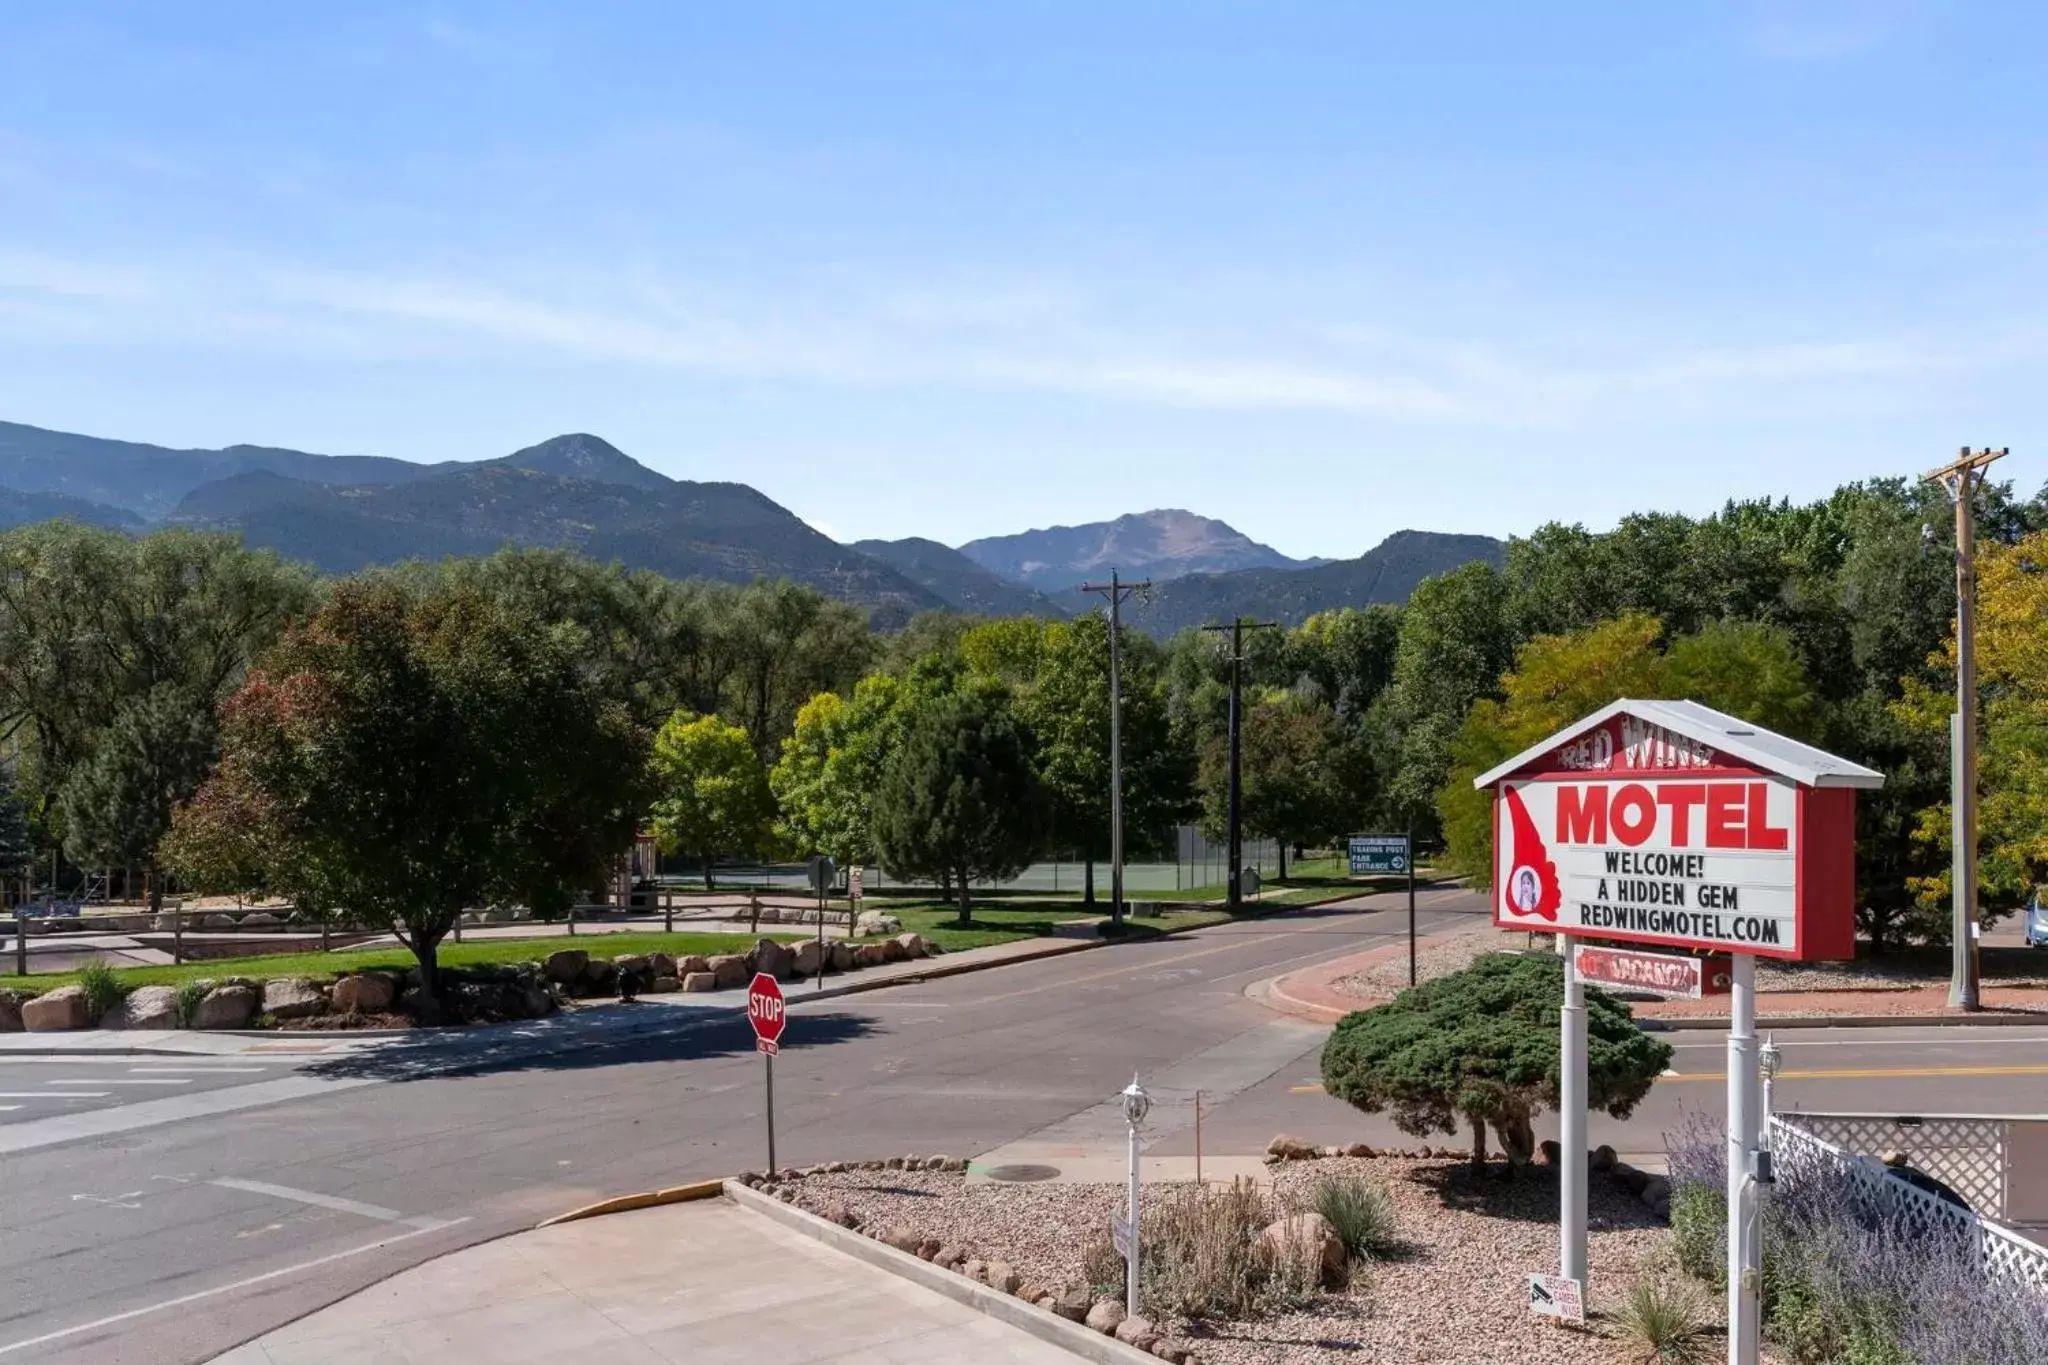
1043	337
1825	30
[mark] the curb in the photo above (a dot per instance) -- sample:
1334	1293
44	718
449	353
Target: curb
625	1203
1721	1023
1057	948
1028	1317
1272	993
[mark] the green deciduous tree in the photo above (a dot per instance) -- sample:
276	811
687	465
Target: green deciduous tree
830	768
712	795
405	756
787	644
1346	657
1746	669
115	654
1479	1048
1066	707
1456	640
15	847
958	797
2012	682
1304	777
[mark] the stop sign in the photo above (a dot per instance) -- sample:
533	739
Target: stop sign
764	1012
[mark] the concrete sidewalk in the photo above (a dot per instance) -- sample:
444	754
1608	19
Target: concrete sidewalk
706	1282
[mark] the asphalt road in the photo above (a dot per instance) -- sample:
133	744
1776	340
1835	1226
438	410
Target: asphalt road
37	1088
176	1240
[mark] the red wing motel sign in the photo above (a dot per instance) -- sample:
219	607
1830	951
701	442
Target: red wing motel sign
1669	823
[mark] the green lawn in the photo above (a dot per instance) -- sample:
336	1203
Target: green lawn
452	954
995	921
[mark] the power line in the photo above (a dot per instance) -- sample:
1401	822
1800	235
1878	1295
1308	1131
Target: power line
1116	590
1237	629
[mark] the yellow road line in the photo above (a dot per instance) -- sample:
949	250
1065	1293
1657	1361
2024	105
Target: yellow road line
1843	1074
1875	1073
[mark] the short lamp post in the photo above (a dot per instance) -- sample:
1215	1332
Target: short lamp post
1137	1104
1769	1058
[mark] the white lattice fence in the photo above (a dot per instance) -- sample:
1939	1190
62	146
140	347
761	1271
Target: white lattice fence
1966	1154
2006	1255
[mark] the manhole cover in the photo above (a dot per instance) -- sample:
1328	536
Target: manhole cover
1022	1174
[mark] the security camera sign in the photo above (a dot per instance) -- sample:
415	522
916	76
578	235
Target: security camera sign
1554	1296
1695	861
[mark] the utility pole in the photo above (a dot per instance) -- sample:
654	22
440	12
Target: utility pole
1116	590
1236	629
1962	478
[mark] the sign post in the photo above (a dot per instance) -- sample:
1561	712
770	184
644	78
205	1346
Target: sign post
1571	1138
765	1013
823	871
1668	823
1381	855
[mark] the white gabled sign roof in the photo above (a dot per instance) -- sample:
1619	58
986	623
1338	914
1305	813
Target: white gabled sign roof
1765	749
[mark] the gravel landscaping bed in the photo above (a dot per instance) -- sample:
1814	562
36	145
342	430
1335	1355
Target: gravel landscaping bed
1454	1294
2002	966
1432	960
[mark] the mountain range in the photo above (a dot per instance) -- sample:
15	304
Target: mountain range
1166	543
342	513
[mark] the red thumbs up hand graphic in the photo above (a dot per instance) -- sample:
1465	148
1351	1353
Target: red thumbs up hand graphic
1530	888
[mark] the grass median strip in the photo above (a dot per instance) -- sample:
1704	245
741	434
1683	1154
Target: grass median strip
474	953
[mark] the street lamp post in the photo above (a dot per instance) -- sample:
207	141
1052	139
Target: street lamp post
1136	1105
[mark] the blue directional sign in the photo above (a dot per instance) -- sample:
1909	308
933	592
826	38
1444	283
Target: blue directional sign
1378	854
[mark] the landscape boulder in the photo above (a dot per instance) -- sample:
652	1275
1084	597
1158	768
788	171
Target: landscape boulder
694	963
566	965
364	993
599	973
227	1006
1104	1316
875	922
1138	1332
913	945
697	982
771	957
54	1011
869	955
842	955
636	965
259	919
728	970
664	985
903	1239
892	950
1287	1148
293	997
1305	1234
1602	1158
1001	1276
661	964
145	1007
1073	1302
10	1010
810	958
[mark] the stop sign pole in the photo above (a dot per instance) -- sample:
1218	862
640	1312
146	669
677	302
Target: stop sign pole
765	1013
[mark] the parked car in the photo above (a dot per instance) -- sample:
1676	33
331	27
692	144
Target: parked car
2037	923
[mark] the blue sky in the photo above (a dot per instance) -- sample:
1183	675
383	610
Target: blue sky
1324	271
